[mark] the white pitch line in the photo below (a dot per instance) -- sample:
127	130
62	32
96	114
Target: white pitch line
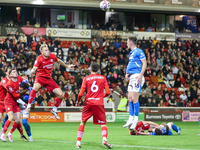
148	147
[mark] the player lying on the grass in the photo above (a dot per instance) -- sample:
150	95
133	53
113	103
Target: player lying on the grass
163	129
43	68
11	105
94	104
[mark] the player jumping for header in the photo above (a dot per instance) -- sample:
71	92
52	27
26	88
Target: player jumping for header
43	67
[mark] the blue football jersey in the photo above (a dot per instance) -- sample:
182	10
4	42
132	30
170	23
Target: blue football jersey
25	98
135	64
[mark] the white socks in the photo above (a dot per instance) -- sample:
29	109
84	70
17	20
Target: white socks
130	117
55	108
136	118
104	139
78	143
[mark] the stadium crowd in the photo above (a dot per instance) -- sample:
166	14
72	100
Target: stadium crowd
172	74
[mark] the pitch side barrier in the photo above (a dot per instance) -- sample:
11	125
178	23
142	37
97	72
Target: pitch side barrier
73	114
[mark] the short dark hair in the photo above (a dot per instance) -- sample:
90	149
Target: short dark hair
133	39
158	131
11	71
24	85
94	67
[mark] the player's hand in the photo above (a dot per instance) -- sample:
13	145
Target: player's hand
127	77
32	71
140	78
71	66
26	105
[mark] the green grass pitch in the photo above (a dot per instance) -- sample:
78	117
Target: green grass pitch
62	136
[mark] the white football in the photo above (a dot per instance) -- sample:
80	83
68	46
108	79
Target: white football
105	5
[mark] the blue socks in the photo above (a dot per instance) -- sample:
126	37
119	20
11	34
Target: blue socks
26	126
174	127
136	109
131	109
4	120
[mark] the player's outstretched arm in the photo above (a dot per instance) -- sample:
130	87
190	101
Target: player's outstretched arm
66	66
33	70
151	123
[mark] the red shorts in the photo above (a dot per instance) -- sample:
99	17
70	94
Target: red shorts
98	113
14	108
2	108
49	83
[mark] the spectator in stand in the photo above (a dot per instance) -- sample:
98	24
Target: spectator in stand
10	54
69	102
72	26
149	104
24	39
112	28
183	96
117	44
155	96
38	46
54	25
143	45
106	43
121	60
97	27
27	24
159	90
60	54
154	78
81	59
123	45
190	97
111	52
99	39
95	44
159	61
177	30
188	30
37	25
182	79
174	69
172	101
142	100
180	103
57	41
149	29
142	29
51	102
47	25
8	45
170	79
154	103
155	41
161	104
195	104
166	29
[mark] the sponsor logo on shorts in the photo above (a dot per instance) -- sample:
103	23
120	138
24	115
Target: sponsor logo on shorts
93	98
99	121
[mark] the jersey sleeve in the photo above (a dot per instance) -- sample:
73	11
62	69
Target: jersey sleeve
105	82
55	58
37	62
83	86
141	55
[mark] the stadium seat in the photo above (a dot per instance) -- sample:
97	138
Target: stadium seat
66	73
175	76
66	77
147	79
166	104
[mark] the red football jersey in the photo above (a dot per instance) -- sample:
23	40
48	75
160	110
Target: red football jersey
140	126
3	90
13	91
45	66
95	85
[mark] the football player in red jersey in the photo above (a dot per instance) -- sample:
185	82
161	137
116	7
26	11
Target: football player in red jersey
11	105
141	126
94	104
43	67
3	92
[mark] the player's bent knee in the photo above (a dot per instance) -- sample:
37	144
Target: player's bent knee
36	86
83	123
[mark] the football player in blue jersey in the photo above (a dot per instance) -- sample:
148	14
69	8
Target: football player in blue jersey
134	73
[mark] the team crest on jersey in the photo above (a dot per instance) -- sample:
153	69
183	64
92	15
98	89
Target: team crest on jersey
4	81
11	90
51	60
131	57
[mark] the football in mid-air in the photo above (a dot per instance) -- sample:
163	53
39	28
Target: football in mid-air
104	5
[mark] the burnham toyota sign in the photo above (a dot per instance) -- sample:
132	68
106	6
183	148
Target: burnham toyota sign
163	117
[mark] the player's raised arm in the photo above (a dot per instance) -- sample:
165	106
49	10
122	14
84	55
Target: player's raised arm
65	65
